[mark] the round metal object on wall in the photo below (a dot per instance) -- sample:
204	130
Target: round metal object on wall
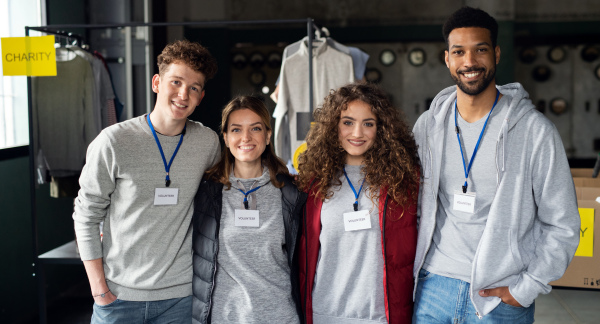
417	57
257	60
239	60
556	54
541	73
257	78
558	106
590	53
527	55
274	60
597	72
387	57
372	75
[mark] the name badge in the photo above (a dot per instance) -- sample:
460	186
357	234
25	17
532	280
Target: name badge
246	218
166	196
357	220
464	202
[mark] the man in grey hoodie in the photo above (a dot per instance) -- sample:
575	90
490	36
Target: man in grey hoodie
497	206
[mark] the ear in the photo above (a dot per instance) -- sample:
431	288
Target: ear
269	137
446	59
202	97
155	83
497	50
225	139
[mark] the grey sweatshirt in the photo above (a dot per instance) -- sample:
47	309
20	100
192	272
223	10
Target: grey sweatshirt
252	283
146	249
532	229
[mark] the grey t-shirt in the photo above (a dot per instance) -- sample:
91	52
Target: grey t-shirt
457	233
252	283
348	284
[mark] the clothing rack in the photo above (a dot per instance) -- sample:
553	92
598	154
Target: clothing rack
66	254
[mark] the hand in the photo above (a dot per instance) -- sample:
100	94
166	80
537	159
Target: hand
501	292
108	298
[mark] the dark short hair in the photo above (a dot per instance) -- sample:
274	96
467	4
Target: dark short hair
191	54
471	17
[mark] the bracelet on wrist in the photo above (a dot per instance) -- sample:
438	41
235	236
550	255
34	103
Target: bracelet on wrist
102	294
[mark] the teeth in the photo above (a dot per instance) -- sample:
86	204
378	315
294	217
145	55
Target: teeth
471	74
356	142
178	105
246	147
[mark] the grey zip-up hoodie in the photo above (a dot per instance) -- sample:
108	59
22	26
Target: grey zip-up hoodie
532	229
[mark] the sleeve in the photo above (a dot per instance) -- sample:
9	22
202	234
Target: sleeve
557	214
97	184
419	134
217	155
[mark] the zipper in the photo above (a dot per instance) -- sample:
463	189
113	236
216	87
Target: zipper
214	277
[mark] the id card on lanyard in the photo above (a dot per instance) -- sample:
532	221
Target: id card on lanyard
465	201
165	196
247	217
358	219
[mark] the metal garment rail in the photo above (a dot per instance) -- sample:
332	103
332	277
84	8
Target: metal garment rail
56	30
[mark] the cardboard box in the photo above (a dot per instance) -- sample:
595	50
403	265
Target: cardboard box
584	272
583	178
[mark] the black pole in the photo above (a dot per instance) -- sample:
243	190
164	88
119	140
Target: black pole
309	27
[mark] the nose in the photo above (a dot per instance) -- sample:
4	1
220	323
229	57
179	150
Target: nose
357	131
469	59
246	136
183	93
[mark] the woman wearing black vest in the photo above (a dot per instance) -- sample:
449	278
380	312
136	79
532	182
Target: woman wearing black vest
246	225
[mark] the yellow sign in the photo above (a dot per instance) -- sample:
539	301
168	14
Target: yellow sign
31	56
586	233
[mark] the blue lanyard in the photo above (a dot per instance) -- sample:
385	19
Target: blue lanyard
246	193
162	154
354	190
467	170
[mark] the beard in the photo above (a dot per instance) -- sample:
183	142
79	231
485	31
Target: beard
475	87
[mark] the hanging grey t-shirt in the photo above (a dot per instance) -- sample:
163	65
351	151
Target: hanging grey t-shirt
252	283
348	284
457	233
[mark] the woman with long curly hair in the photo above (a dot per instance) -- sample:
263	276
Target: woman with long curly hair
246	222
359	235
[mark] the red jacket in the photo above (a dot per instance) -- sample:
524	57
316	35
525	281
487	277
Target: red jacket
398	241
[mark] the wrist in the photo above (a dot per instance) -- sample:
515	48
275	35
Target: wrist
102	294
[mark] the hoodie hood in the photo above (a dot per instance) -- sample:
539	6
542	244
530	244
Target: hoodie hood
518	106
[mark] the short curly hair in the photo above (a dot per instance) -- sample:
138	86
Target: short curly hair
471	17
191	54
391	162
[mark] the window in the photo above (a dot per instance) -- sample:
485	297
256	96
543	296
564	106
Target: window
14	126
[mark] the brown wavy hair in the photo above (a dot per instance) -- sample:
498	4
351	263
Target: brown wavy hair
391	162
221	171
191	54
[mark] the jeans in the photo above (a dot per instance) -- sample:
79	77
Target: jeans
176	310
441	299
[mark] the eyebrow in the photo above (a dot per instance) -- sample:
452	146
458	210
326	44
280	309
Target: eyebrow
239	125
195	83
478	44
366	119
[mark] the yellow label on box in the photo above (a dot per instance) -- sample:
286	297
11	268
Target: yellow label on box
30	56
586	233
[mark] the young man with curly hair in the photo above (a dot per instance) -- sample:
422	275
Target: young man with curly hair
498	213
140	179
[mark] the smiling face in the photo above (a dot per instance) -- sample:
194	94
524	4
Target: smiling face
472	59
357	131
179	90
246	136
